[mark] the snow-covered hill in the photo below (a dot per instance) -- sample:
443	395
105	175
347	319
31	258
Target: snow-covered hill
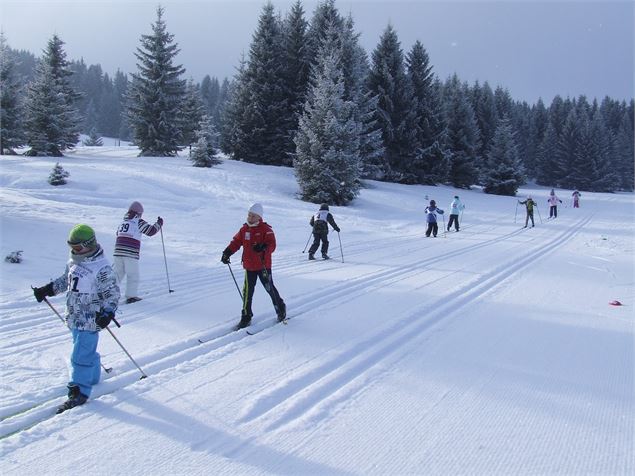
489	351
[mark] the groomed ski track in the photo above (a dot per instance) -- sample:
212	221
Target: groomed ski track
316	385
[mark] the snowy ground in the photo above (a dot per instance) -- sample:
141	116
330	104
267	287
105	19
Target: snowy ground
489	351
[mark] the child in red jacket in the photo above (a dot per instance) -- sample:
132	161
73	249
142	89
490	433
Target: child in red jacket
258	242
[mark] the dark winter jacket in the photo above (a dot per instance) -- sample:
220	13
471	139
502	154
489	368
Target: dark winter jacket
431	213
247	237
319	222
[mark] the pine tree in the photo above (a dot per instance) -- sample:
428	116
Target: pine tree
58	175
624	153
52	122
484	105
11	134
94	139
503	173
388	80
431	163
567	152
295	74
462	137
192	112
156	94
327	155
261	108
205	150
537	127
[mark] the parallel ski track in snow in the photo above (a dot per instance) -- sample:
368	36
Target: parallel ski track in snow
339	375
312	386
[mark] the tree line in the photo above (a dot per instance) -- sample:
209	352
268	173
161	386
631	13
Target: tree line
308	95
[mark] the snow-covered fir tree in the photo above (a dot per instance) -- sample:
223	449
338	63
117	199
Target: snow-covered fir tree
156	94
11	134
503	172
327	155
192	112
51	119
462	134
355	68
58	175
396	118
205	150
431	162
94	139
487	117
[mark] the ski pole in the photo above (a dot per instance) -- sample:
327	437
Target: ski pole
516	212
307	242
106	369
539	216
235	282
165	260
444	229
341	249
143	374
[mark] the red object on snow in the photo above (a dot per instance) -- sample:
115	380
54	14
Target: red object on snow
615	303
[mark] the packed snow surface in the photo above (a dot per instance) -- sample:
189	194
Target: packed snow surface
493	350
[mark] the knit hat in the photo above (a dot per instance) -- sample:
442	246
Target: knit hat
432	202
136	208
456	196
82	235
324	206
256	209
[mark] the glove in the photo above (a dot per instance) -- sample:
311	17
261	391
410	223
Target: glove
226	254
104	318
337	229
160	221
259	247
41	293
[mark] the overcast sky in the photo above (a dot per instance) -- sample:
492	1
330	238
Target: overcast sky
534	49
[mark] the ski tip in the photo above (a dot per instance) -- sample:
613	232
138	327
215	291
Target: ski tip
143	376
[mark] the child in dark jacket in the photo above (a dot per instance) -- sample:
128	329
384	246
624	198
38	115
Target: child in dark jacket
431	218
320	223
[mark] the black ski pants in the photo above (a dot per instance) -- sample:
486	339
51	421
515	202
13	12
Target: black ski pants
432	228
453	219
553	211
530	214
317	237
248	291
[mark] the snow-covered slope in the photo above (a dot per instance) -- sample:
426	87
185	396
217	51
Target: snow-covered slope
489	351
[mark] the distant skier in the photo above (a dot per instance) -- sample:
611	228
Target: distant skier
92	295
456	207
431	218
553	204
258	242
576	199
530	204
320	223
128	248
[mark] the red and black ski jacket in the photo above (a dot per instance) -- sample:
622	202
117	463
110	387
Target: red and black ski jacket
247	237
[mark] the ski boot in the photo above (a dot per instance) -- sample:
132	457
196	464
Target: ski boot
75	399
325	256
130	300
311	257
282	311
245	321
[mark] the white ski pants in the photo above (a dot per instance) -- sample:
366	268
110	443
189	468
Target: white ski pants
128	268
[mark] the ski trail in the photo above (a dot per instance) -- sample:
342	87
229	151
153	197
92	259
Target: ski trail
311	391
